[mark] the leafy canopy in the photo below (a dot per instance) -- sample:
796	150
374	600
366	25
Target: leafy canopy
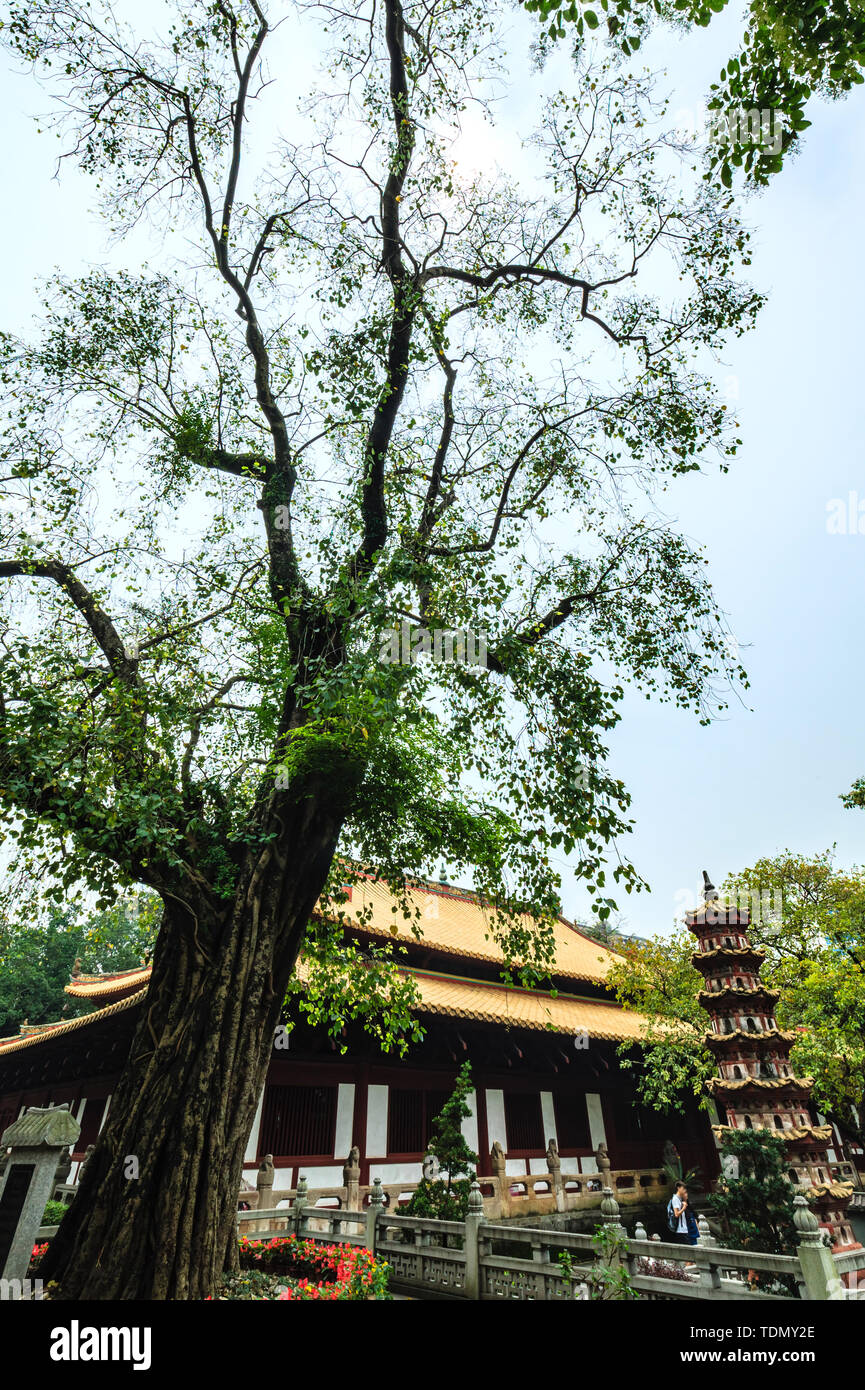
36	959
356	385
791	50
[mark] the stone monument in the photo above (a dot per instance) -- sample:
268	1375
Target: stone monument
37	1140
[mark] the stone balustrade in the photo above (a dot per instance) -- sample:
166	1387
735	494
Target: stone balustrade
504	1196
475	1259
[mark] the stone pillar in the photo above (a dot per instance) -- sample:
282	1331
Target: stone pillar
610	1211
497	1163
815	1257
299	1207
376	1203
474	1219
351	1180
37	1140
554	1168
264	1183
710	1275
611	1220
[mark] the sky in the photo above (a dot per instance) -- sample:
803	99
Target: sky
769	775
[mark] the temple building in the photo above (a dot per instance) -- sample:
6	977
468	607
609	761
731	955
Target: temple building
544	1062
756	1084
545	1066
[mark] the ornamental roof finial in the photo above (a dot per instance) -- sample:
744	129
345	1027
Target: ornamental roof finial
710	892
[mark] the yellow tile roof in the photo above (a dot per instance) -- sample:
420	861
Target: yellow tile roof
453	920
97	986
445	995
55	1030
524	1008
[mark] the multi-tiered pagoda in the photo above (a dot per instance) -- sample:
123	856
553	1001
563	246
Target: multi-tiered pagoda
756	1084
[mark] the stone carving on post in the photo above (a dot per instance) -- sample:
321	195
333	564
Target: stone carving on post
612	1223
64	1168
264	1183
37	1140
351	1179
474	1218
301	1197
554	1167
815	1257
705	1234
500	1205
602	1158
85	1160
610	1211
376	1203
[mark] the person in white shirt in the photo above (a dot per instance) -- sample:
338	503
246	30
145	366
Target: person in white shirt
679	1204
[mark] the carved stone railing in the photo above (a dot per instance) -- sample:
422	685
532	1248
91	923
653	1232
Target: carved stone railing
475	1259
504	1197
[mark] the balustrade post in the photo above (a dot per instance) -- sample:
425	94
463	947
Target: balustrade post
264	1184
351	1180
299	1206
710	1275
474	1220
611	1220
818	1265
554	1168
610	1211
376	1203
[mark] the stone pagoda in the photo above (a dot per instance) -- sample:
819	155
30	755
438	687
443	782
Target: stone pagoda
756	1085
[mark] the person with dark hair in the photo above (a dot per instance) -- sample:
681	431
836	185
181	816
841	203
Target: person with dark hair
677	1215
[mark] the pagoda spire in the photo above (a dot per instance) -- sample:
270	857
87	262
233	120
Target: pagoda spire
756	1084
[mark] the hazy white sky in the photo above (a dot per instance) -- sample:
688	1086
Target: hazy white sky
768	776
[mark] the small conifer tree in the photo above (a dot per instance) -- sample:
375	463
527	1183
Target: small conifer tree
444	1192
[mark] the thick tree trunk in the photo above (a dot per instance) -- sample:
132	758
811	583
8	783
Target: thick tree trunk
154	1217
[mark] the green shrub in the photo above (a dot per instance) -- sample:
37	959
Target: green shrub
53	1213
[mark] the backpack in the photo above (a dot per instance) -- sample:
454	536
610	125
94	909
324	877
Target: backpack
672	1219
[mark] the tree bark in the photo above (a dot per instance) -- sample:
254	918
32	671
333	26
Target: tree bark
184	1106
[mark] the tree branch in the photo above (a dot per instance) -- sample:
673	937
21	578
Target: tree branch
102	628
373	505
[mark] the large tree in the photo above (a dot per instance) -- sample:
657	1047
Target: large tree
378	391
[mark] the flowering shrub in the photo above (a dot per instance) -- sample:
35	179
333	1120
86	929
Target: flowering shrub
311	1270
663	1269
36	1256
